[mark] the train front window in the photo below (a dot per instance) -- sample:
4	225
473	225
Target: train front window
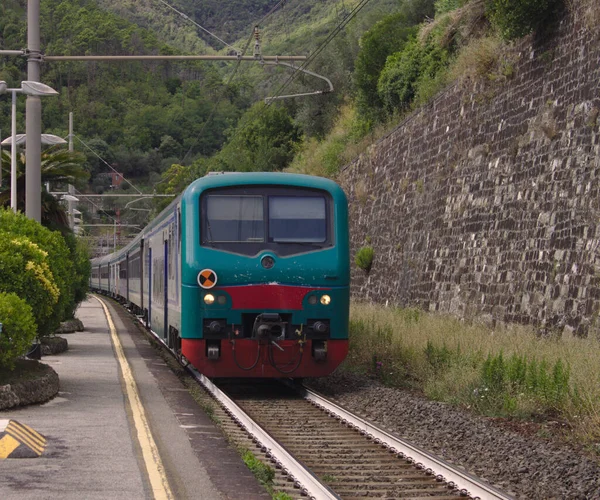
297	219
234	219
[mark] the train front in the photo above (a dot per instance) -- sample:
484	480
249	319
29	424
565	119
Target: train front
265	275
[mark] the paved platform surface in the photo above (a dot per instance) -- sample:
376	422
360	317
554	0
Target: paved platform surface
93	451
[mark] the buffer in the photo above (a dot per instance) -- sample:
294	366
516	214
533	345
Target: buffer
20	441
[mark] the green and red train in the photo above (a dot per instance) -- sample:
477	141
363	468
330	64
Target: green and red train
243	275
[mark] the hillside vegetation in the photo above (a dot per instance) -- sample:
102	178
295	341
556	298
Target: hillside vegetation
164	123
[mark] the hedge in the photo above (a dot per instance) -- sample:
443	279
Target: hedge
25	270
18	328
60	259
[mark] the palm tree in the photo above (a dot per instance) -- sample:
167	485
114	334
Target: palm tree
58	165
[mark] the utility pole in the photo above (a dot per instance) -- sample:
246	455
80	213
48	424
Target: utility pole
33	117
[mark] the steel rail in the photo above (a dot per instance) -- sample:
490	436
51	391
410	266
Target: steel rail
462	481
308	482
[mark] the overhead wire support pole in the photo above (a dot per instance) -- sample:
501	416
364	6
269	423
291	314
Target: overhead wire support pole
33	117
13	52
304	70
172	58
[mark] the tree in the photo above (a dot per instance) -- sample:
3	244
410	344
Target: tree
58	165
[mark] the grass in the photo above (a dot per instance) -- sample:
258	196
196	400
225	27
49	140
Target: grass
263	473
504	371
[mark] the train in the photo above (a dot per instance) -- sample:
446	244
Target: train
242	275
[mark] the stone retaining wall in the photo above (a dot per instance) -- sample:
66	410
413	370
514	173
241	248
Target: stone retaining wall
485	203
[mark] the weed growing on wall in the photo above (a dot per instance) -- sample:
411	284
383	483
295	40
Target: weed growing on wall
364	258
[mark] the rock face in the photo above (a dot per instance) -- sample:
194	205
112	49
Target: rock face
35	390
485	202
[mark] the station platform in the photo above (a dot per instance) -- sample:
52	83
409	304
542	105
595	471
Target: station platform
105	442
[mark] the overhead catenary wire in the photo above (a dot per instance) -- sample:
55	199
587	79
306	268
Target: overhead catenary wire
359	6
185	16
219	98
233	73
107	164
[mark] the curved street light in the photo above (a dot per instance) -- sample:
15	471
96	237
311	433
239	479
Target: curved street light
27	88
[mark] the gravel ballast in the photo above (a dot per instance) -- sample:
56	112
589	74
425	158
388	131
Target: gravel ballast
517	461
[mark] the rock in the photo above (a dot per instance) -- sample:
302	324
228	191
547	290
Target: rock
70	326
33	382
8	398
53	345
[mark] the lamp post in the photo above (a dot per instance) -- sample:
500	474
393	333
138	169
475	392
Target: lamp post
31	89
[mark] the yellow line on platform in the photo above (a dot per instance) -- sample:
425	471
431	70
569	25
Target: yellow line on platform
154	466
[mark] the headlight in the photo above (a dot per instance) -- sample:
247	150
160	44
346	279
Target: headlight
312	300
325	300
209	298
221	299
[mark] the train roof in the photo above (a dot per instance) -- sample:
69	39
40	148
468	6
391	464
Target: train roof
225	179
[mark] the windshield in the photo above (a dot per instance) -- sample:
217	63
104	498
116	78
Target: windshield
250	219
297	219
235	218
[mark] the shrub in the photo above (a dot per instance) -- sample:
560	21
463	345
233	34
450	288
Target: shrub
83	268
517	18
364	258
406	71
24	270
18	328
382	40
60	260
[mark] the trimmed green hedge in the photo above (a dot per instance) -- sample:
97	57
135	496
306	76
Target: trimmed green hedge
60	259
18	328
24	270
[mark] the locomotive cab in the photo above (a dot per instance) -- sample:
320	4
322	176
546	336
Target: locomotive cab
276	257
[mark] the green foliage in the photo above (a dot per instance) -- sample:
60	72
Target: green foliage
406	71
387	37
18	328
59	260
438	357
262	472
443	6
505	381
264	140
364	258
24	270
517	18
81	260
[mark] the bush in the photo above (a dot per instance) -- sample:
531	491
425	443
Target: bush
406	71
517	18
382	40
18	328
364	258
24	270
83	268
59	260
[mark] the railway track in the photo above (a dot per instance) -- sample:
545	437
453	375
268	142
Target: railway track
329	453
323	451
